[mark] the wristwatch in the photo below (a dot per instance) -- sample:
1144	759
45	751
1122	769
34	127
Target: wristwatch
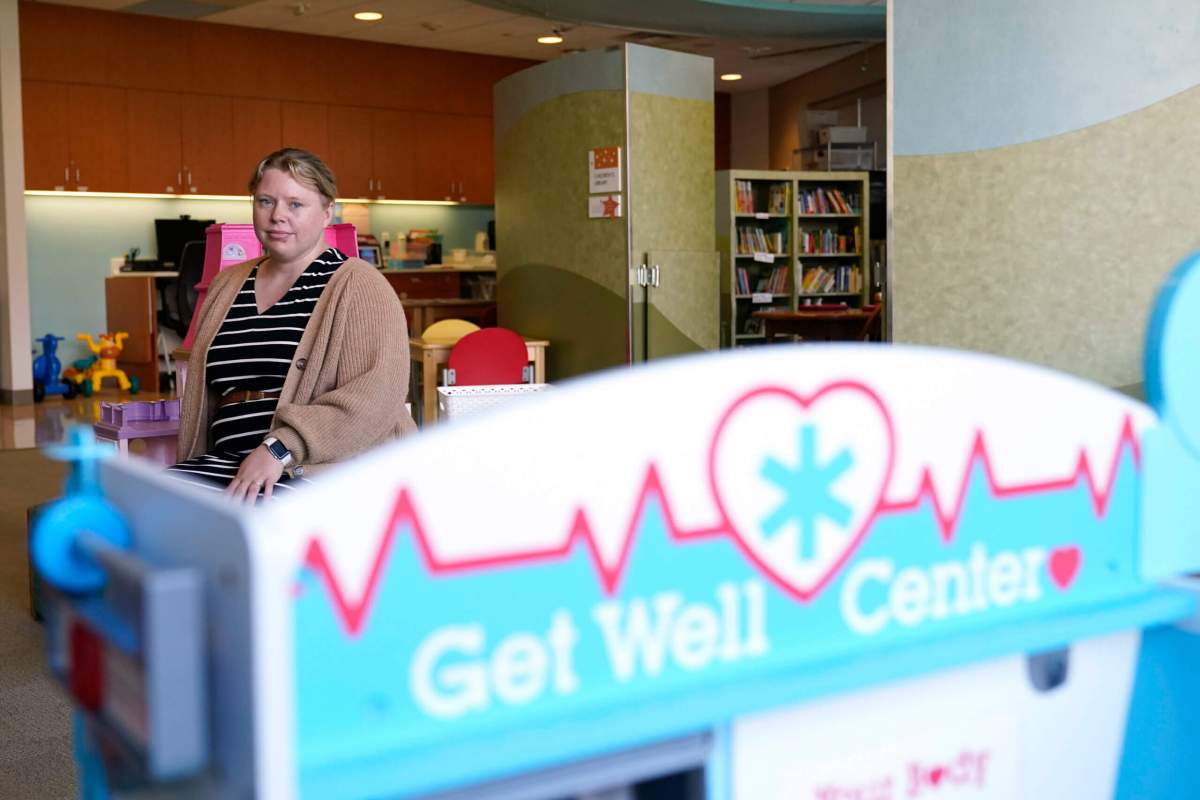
276	448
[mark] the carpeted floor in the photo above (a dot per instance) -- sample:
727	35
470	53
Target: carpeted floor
35	722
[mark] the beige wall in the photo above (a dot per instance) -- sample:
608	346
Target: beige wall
1049	251
831	87
16	378
750	140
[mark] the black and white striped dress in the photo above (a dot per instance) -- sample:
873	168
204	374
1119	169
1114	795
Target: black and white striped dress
253	351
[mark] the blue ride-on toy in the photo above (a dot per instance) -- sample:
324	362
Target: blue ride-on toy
47	369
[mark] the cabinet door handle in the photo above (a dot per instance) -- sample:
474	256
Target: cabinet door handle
77	174
370	184
379	185
67	174
655	274
179	177
189	172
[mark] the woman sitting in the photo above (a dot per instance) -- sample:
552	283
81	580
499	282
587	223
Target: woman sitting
300	357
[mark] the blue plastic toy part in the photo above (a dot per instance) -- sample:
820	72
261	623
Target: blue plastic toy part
55	548
1172	347
93	782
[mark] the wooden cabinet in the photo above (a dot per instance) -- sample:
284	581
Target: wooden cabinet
207	126
434	151
350	153
47	148
97	138
74	137
257	132
423	284
194	144
475	160
137	140
306	125
454	158
155	137
392	154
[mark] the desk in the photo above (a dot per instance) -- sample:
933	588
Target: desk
852	324
430	356
423	313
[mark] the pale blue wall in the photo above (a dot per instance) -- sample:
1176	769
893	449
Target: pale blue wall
71	240
976	74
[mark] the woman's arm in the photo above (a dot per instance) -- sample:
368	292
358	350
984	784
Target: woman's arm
367	401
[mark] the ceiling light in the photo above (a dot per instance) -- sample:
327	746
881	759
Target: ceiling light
368	16
553	38
731	76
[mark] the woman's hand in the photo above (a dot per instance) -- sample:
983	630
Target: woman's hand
260	471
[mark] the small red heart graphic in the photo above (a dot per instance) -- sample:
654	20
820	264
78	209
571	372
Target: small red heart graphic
936	775
1064	565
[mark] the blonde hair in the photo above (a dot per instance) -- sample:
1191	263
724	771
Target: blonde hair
307	168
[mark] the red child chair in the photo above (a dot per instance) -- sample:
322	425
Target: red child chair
489	356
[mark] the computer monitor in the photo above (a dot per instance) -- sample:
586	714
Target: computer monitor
172	234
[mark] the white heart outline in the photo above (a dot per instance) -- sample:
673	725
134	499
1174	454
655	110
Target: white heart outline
800	593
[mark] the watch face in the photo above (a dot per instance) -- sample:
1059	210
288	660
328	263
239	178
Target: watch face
278	450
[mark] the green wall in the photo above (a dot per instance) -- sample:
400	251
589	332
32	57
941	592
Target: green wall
562	276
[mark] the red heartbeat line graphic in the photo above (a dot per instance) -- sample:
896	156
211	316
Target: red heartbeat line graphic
949	516
353	613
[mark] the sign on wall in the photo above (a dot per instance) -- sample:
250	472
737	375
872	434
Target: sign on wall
604	169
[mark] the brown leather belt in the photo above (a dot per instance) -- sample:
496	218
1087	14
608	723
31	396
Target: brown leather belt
244	396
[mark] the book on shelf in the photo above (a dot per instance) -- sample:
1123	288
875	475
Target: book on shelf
774	283
829	241
827	201
825	280
777	197
757	240
743	202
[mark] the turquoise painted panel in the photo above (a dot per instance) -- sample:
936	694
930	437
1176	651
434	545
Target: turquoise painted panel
987	73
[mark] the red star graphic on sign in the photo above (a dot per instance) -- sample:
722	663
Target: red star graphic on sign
611	204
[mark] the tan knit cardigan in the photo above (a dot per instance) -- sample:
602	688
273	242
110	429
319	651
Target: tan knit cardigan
345	390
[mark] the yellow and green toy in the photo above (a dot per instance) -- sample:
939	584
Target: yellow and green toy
89	373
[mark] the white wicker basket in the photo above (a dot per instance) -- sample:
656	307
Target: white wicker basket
464	401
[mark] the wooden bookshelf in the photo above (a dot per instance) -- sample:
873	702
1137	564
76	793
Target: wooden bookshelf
760	210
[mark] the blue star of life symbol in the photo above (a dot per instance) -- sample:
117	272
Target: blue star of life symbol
807	491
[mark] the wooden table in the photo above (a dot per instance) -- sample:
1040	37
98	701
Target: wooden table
422	313
432	355
852	324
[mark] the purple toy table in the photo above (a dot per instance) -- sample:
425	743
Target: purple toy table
155	421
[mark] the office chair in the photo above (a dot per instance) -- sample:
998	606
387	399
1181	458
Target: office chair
191	270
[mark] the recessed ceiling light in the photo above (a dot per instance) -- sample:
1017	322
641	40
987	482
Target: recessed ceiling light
368	16
552	38
731	76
